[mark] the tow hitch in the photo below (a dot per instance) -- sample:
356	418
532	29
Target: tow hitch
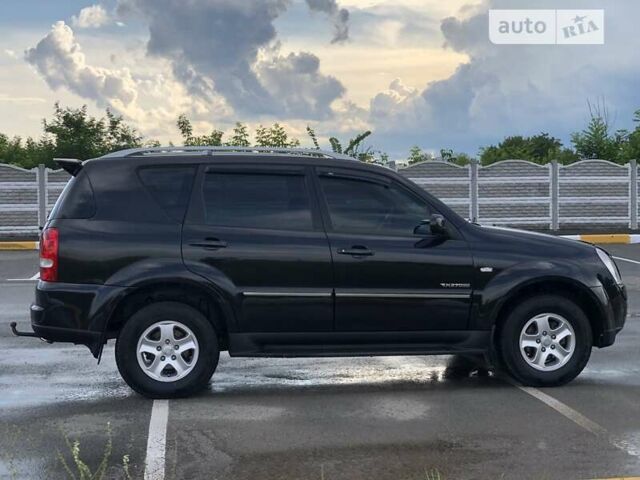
17	333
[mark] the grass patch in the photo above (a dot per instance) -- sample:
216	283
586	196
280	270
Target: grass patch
78	469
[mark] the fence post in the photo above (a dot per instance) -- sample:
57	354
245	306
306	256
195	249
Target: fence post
633	194
41	176
554	194
473	191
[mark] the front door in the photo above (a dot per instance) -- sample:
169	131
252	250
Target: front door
386	277
254	233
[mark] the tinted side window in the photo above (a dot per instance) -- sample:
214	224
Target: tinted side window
77	199
170	187
360	206
254	200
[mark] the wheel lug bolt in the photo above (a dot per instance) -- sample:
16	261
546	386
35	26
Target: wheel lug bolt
553	336
173	357
158	348
544	333
167	341
544	349
553	347
177	347
537	340
162	358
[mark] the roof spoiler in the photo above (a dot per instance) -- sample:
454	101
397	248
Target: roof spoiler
69	165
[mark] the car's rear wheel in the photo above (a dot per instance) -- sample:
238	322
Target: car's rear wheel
545	341
167	350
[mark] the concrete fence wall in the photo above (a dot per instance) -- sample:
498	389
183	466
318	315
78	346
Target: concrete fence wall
584	195
27	197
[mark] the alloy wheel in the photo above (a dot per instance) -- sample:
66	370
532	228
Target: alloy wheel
547	342
167	351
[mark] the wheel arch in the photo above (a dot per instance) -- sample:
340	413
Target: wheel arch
568	288
206	300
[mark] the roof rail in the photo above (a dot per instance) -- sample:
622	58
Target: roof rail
205	150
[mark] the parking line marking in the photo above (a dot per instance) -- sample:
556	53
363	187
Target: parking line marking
567	411
156	442
30	279
627	260
580	420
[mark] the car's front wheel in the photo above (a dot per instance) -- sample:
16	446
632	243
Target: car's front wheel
167	350
545	341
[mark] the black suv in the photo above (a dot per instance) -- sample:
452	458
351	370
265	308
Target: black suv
180	253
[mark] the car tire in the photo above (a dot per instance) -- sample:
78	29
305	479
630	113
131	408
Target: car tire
148	351
527	349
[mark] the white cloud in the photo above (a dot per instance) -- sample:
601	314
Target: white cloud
214	48
295	79
399	103
4	98
151	100
94	16
58	57
340	17
514	89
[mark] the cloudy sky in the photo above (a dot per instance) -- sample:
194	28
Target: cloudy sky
416	72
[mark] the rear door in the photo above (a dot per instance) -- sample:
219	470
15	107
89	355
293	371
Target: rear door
256	233
387	278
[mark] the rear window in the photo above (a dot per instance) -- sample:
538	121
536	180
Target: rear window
170	187
76	200
254	200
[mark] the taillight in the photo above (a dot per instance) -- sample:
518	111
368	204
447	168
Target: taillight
49	255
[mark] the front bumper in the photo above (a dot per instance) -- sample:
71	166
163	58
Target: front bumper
74	313
614	301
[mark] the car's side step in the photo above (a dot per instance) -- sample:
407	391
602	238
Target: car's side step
317	344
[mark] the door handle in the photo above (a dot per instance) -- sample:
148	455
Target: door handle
356	250
210	244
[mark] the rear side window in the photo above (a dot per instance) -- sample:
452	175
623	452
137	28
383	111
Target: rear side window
76	200
170	187
251	200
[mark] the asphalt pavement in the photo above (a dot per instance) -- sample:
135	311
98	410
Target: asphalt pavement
345	418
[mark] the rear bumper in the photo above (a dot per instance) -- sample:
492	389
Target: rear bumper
74	313
53	333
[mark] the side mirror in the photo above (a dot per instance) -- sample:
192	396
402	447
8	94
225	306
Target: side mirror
437	224
434	226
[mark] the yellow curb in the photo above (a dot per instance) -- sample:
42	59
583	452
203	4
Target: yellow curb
620	478
604	238
18	245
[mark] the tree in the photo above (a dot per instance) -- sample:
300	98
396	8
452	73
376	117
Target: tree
354	147
416	155
240	137
541	148
71	133
214	139
596	140
76	134
312	134
448	155
275	136
29	154
631	148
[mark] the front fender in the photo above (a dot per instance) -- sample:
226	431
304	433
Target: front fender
510	282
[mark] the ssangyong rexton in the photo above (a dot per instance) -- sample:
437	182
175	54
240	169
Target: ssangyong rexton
181	253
